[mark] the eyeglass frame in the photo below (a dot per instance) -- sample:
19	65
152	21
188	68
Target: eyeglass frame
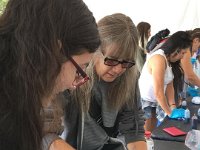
119	62
84	76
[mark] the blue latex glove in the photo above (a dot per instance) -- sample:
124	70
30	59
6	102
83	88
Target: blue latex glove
177	113
192	60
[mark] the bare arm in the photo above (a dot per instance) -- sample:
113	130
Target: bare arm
60	144
188	70
170	95
140	145
157	65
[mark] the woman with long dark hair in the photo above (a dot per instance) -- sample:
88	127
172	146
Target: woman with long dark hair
44	46
160	73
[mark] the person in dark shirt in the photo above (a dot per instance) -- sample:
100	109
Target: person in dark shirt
44	46
107	110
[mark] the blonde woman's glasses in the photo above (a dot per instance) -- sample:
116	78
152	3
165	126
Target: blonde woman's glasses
114	62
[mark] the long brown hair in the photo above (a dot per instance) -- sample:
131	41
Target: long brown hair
31	59
143	28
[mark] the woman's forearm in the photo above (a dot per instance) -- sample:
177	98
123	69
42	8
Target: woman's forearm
60	144
162	101
139	145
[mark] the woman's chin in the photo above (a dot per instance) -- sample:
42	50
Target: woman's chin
108	79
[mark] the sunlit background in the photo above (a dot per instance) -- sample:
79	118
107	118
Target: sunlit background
2	5
172	14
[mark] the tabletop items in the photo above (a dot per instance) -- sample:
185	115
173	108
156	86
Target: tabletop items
187	116
184	104
192	140
160	115
177	113
186	123
174	131
194	122
149	140
193	91
196	100
198	115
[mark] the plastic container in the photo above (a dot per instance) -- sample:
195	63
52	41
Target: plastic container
187	116
198	115
149	140
192	140
184	104
194	122
193	61
160	115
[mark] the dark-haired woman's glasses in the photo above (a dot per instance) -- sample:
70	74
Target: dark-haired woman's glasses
81	76
114	62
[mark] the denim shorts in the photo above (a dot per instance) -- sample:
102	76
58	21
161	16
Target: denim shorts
149	107
148	112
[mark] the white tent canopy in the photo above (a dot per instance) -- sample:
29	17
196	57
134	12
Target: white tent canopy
172	14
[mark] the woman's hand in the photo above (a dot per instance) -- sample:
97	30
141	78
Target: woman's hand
139	145
172	106
177	113
60	144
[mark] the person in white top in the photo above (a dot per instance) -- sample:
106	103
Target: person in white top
156	80
190	75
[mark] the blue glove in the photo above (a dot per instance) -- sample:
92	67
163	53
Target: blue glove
177	113
192	60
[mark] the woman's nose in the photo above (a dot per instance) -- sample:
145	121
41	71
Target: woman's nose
118	68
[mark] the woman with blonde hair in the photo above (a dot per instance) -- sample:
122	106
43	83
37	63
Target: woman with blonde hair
114	117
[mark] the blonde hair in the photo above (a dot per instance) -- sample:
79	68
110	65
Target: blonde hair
115	29
119	29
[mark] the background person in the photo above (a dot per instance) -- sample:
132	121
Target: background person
198	63
144	32
190	75
43	44
161	69
189	64
114	100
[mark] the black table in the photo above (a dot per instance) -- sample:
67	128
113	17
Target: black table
169	145
163	139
